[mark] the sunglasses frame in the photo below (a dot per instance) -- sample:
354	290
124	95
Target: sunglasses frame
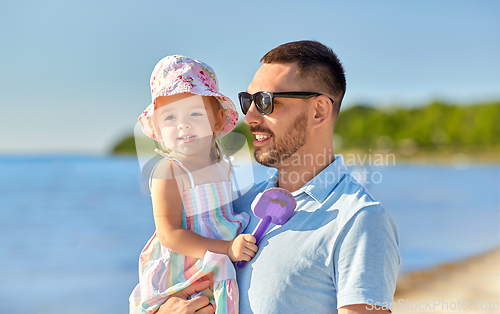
299	95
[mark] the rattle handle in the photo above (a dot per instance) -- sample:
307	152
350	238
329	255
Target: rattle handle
258	233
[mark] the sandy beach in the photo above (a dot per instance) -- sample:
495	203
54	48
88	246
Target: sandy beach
468	286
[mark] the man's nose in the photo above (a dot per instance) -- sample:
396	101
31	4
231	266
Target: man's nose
253	117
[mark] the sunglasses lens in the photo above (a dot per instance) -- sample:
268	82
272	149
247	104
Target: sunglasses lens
245	101
264	103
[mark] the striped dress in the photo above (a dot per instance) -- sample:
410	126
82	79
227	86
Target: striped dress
207	210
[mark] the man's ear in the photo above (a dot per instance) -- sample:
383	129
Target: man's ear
322	110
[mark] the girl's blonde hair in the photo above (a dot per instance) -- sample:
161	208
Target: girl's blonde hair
216	151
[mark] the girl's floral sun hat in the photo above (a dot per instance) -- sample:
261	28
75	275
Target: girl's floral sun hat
178	74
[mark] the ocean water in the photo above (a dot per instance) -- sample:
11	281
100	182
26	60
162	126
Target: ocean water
71	228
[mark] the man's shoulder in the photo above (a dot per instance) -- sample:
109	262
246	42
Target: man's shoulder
351	192
353	199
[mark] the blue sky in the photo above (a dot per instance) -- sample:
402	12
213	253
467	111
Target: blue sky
75	74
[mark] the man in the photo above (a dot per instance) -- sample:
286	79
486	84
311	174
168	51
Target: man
339	250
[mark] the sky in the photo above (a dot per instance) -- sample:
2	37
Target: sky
74	75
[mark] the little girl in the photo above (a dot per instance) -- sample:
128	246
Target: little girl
196	228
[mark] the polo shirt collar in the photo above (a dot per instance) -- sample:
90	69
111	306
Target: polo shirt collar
322	184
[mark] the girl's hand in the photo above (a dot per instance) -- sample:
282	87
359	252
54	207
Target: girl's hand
242	248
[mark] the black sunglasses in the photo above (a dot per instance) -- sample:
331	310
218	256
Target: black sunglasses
264	100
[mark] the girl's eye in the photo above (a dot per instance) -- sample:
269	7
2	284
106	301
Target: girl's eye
169	118
196	114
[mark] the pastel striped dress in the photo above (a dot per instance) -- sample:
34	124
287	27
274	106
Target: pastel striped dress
207	210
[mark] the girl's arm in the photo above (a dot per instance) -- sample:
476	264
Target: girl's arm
167	211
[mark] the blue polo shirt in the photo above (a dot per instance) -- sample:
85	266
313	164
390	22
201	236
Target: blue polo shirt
339	247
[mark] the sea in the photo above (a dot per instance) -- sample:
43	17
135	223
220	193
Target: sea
72	227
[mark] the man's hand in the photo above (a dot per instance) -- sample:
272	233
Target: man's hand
242	248
178	303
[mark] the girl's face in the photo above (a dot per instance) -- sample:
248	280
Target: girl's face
187	122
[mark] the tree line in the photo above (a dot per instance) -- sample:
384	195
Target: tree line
437	125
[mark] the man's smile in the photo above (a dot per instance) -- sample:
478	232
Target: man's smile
261	138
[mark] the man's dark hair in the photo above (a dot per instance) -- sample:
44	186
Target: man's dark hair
315	61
